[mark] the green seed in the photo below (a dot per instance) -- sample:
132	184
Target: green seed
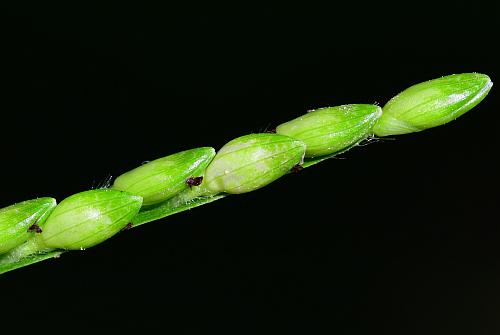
88	218
332	129
244	164
252	161
16	221
432	103
162	178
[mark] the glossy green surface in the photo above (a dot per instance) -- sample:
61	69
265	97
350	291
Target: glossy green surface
15	221
89	218
252	161
172	206
432	103
162	178
183	201
329	130
33	246
243	165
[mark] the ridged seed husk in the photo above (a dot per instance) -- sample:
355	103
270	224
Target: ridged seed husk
253	161
89	218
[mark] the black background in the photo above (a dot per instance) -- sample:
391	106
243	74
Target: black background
399	237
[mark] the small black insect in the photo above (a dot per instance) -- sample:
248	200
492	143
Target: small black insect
35	228
194	181
297	168
271	131
127	227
